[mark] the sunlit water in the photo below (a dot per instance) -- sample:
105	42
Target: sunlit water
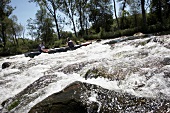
138	63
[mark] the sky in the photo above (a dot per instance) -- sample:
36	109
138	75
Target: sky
24	11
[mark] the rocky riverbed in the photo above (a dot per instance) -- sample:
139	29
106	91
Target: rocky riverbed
129	74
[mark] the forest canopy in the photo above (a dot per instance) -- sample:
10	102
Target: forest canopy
88	19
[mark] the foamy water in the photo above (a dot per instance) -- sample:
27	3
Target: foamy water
138	63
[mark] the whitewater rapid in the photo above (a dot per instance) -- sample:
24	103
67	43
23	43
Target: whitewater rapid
138	63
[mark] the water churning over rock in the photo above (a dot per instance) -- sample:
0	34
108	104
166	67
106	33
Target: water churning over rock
139	68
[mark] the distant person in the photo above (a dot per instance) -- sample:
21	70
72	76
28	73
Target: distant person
70	43
41	48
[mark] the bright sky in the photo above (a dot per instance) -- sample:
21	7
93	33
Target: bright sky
24	10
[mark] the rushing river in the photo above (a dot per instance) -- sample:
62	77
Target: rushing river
137	67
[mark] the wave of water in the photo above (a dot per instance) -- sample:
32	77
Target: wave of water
135	64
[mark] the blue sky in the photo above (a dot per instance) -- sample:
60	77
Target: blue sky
24	10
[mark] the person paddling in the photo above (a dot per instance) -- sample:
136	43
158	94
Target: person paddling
41	48
70	43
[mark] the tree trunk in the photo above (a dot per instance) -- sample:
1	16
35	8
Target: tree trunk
80	18
71	16
123	11
58	31
23	36
74	27
116	14
160	11
53	13
135	17
86	27
3	36
15	37
167	9
55	19
143	13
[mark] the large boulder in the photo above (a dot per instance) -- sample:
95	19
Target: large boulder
6	65
166	61
87	98
66	101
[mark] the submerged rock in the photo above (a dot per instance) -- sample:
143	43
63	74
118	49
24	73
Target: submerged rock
87	98
66	101
6	64
166	61
28	95
139	67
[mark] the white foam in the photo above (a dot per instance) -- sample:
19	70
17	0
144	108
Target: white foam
123	55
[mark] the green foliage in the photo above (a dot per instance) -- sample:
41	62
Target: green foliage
129	32
24	45
91	37
100	14
5	23
102	32
65	34
81	14
58	43
13	105
157	28
109	35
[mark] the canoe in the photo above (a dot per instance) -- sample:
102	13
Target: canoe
32	54
56	50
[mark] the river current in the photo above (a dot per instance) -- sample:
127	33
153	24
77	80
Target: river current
138	65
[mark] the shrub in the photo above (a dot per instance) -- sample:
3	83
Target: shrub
91	37
58	43
13	105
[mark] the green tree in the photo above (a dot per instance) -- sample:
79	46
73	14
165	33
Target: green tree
115	12
5	12
52	6
81	9
69	9
101	14
135	10
42	27
143	13
15	30
34	32
124	13
160	10
82	13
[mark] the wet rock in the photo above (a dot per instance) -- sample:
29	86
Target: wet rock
122	39
96	72
166	61
6	64
158	40
142	43
138	34
87	98
167	46
98	40
66	101
167	74
113	41
118	73
23	98
75	67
